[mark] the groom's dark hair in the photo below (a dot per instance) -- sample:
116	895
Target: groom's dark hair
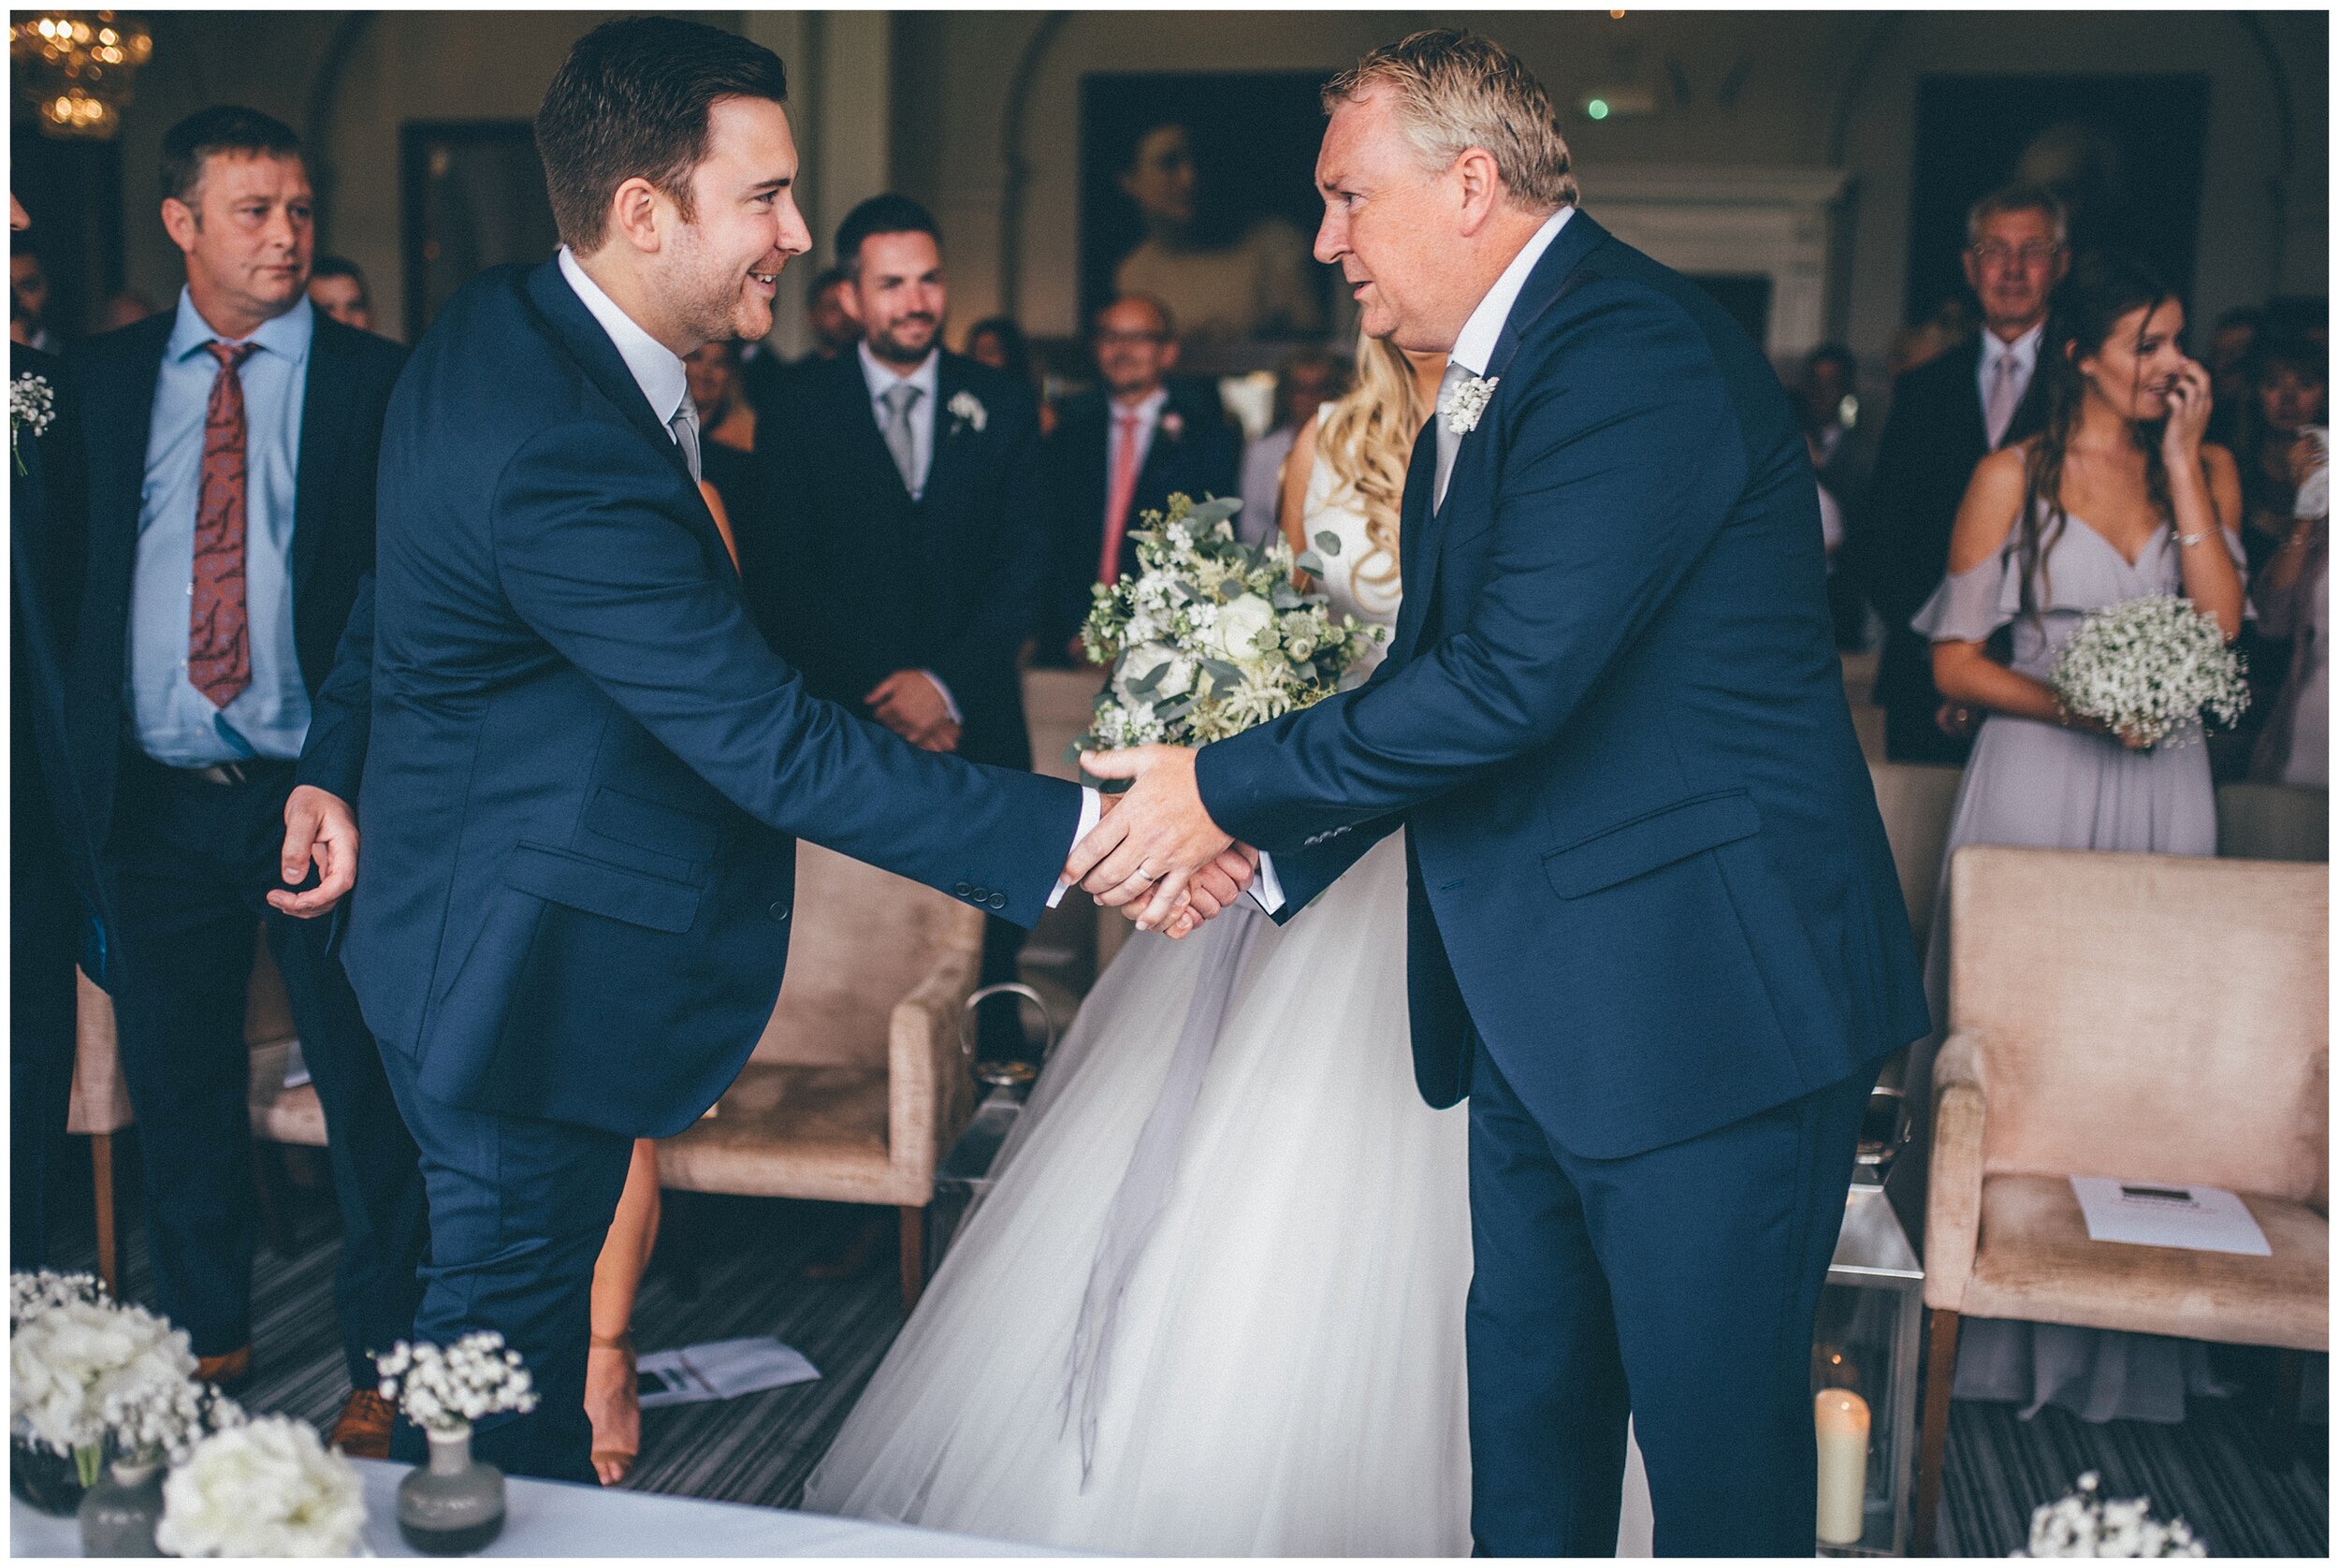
631	100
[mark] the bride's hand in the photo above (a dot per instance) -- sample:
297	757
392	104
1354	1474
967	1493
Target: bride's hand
1213	889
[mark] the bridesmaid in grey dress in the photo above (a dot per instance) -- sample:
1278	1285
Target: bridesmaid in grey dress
2118	498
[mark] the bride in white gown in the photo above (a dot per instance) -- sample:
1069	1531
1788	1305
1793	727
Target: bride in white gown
1288	1374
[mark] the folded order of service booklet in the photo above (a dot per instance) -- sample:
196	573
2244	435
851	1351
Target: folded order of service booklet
2162	1215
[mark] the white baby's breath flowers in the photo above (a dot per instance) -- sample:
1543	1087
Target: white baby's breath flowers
30	1294
1466	402
2086	1525
158	1420
445	1390
1211	637
74	1354
31	406
266	1488
2150	668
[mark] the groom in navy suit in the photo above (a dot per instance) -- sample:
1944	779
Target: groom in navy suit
587	768
1655	933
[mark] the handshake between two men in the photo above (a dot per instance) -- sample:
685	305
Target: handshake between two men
1156	854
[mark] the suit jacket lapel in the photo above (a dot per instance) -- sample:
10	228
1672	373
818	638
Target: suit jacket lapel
1412	524
1971	414
119	417
325	404
953	442
851	396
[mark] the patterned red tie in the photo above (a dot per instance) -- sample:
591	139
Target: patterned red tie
219	646
1120	490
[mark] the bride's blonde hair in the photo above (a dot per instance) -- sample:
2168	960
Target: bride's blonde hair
1366	438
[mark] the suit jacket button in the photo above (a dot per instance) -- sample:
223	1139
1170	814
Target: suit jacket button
962	891
779	914
998	901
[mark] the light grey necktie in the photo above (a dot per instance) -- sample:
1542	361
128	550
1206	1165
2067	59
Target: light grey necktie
2005	397
1448	441
900	439
685	426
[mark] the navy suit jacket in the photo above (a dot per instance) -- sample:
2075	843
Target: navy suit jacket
1203	459
852	580
587	765
1646	863
349	380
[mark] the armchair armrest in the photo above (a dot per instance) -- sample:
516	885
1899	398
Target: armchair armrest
1953	1205
925	1079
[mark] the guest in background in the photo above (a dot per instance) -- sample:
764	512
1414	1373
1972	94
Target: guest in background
232	447
900	557
829	312
1120	452
2230	344
999	343
726	416
1310	378
1946	417
2288	393
338	288
2118	497
1842	456
127	309
51	873
28	294
2293	600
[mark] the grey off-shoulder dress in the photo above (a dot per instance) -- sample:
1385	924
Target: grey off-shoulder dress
2046	787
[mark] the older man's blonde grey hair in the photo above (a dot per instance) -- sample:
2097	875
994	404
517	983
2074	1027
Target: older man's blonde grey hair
1454	90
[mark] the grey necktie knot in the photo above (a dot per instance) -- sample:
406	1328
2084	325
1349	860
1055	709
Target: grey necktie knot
900	439
1448	441
685	426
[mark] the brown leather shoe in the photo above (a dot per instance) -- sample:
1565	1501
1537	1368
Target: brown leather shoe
363	1432
229	1371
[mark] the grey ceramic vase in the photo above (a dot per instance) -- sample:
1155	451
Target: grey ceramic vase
119	1514
454	1506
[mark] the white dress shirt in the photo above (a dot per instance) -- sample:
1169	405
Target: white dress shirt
2023	351
658	370
928	379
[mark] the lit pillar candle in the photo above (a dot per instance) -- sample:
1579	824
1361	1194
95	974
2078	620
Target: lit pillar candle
1842	1419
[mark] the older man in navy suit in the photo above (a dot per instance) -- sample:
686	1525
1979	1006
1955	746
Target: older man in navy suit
1655	934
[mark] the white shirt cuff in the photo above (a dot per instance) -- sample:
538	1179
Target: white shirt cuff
948	700
1091	812
1265	891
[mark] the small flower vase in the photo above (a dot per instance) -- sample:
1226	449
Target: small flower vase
455	1505
119	1514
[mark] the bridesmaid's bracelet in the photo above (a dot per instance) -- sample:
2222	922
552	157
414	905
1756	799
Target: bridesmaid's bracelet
2188	539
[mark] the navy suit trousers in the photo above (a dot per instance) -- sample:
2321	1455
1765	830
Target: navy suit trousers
1678	1287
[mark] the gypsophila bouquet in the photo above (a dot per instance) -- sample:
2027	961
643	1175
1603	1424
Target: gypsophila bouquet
2150	668
31	406
156	1420
77	1362
2086	1525
444	1391
268	1487
1211	637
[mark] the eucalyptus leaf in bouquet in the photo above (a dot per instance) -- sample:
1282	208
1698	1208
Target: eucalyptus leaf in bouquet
1212	636
2149	668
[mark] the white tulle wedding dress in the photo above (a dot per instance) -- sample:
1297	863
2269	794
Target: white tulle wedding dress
1287	1373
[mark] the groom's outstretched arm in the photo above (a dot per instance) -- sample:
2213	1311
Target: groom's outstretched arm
1624	462
602	561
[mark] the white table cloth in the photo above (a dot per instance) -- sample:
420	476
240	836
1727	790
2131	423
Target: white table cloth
555	1518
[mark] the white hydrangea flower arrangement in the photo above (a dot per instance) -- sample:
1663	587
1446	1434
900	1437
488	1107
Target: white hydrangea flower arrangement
2084	1524
83	1367
1211	637
2150	668
445	1390
269	1488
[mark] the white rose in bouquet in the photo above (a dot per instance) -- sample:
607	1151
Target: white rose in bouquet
267	1489
1236	629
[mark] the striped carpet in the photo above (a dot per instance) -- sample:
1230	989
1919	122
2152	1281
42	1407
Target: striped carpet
730	1267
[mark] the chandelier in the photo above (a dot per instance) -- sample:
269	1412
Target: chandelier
74	67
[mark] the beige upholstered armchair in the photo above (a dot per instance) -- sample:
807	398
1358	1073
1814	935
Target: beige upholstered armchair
100	1106
2151	1018
859	1084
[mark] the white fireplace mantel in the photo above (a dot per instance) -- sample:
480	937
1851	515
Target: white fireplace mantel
1736	221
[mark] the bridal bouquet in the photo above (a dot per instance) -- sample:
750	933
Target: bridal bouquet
82	1368
2086	1525
1211	637
267	1489
2148	668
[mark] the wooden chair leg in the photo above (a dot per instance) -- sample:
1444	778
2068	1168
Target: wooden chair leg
101	1159
913	1256
2281	1440
1940	1374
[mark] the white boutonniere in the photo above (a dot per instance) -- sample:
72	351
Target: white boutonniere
1173	423
967	411
1466	402
31	406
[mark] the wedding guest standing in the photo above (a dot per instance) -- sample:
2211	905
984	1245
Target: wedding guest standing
1946	417
2290	393
1122	452
999	343
2118	497
29	297
1311	377
900	558
50	882
338	288
2293	600
231	514
2230	360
